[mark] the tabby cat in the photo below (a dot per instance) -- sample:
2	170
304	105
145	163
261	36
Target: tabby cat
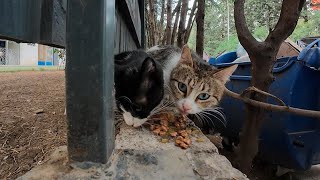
191	84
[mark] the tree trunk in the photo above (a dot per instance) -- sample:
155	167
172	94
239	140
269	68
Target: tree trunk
200	27
263	57
169	23
148	29
160	26
152	26
174	30
182	23
177	8
190	21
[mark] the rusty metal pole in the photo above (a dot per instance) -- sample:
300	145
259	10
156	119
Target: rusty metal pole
89	79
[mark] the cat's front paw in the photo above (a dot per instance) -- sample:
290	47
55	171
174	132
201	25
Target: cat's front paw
128	118
132	121
138	122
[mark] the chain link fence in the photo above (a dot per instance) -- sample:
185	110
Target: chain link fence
9	54
2	56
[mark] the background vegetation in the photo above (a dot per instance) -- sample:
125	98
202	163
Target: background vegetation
260	16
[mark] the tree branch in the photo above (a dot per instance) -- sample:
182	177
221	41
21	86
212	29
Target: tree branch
161	23
245	37
290	12
271	107
175	10
182	23
174	29
167	36
200	27
254	89
190	21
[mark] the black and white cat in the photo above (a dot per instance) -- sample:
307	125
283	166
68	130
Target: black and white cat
138	85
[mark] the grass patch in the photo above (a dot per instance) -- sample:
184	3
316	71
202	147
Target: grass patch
27	68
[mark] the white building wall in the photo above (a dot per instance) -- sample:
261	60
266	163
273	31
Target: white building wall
28	54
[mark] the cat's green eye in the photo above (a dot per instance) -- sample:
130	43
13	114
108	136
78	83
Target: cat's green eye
203	96
182	87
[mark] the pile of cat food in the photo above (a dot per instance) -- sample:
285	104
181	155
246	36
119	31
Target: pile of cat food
172	127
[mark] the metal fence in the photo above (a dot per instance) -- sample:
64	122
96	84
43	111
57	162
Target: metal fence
2	56
9	57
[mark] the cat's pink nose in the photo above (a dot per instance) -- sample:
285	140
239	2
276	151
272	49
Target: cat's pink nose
186	107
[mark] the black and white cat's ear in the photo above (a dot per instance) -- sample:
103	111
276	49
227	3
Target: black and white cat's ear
123	55
148	65
224	74
186	57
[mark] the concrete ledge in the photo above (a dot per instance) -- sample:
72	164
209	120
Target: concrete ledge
139	155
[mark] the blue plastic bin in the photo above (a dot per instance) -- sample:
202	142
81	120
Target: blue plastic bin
288	140
223	58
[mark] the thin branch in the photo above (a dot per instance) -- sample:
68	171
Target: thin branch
289	15
177	8
252	88
245	37
190	21
271	107
187	36
174	29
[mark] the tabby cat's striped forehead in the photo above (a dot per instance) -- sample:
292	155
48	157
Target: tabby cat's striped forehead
199	78
198	71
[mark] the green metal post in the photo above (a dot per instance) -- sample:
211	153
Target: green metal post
89	79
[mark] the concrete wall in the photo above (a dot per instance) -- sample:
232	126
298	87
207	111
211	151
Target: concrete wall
28	54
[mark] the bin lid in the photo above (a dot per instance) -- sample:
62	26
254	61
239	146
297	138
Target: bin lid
311	55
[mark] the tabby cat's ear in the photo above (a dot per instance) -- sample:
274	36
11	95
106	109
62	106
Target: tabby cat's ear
186	57
148	66
224	74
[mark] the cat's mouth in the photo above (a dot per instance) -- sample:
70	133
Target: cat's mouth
184	112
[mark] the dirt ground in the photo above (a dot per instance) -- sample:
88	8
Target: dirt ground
32	123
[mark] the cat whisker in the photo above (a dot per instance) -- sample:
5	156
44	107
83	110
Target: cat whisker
222	121
190	122
158	111
126	98
217	110
197	116
207	118
200	118
161	106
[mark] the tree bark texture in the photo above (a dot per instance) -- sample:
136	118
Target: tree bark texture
200	28
152	23
175	10
263	57
160	26
191	21
182	23
147	25
167	36
174	30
